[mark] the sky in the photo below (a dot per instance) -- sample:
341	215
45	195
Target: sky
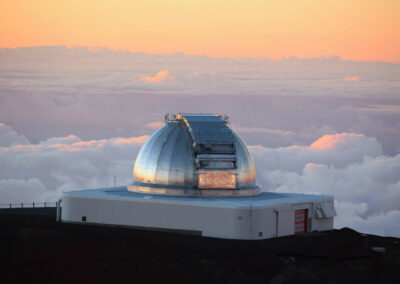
313	88
366	30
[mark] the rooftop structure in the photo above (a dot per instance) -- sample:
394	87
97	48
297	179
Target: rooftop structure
195	175
195	155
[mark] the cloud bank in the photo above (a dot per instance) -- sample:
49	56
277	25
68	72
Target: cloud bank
349	166
320	125
40	172
9	137
52	91
159	77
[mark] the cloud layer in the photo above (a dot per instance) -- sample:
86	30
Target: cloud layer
158	78
351	167
40	172
320	125
52	91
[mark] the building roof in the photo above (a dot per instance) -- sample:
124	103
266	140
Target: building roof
264	199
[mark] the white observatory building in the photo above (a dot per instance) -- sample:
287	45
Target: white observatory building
195	175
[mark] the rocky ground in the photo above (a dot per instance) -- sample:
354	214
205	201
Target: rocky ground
36	249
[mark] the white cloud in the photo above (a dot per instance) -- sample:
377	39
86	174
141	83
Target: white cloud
60	69
348	79
9	137
379	223
64	90
351	167
21	191
49	92
158	78
154	125
265	131
337	150
61	140
33	172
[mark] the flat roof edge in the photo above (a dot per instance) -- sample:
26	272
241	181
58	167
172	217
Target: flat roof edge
266	199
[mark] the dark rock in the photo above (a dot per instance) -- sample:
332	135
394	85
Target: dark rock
45	251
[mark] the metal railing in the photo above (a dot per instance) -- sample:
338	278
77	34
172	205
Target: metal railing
28	205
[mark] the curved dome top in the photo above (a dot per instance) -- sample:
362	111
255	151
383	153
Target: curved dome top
195	154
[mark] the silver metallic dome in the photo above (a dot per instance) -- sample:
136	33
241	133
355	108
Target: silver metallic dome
195	155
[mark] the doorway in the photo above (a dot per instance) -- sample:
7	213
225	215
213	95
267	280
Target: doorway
300	221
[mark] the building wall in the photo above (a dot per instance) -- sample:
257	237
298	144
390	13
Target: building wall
322	224
250	222
284	221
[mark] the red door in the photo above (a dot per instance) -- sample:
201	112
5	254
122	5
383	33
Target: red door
300	221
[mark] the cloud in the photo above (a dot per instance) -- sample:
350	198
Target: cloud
344	141
351	79
348	79
351	167
9	137
154	125
39	172
21	191
379	223
61	140
61	69
133	140
338	150
63	90
47	93
381	109
266	131
159	77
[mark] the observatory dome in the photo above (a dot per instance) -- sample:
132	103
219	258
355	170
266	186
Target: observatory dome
195	155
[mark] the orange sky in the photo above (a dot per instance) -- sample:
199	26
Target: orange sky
358	30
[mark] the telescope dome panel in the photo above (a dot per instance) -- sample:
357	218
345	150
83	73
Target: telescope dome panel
195	155
165	158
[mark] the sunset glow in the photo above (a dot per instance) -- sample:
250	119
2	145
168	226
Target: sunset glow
159	77
357	30
329	142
